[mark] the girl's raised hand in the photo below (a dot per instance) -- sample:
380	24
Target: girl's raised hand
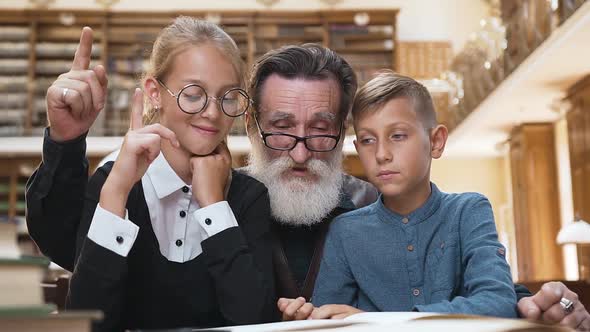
140	147
76	97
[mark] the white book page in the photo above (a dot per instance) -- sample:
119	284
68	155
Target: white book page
398	321
358	320
298	325
387	317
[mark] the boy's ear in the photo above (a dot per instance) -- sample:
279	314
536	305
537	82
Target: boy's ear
438	140
153	92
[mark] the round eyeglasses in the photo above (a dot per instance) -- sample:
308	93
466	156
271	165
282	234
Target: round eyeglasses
193	98
286	142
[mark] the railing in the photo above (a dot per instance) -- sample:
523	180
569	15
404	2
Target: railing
513	31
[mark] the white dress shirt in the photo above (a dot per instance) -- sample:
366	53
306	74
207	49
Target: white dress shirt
179	224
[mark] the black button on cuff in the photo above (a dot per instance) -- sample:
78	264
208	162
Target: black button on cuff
182	214
208	221
119	239
178	243
185	189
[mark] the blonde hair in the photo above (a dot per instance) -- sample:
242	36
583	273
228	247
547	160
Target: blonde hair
183	33
388	85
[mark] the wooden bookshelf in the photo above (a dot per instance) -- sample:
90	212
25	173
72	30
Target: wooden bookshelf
15	54
42	46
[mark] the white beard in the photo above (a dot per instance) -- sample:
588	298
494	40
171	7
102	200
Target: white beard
298	201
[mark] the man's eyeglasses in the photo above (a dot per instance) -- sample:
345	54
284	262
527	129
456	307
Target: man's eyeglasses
193	98
286	142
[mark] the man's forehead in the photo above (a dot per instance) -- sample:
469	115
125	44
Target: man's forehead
293	97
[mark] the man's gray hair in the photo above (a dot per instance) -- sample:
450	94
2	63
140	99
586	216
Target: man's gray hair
307	61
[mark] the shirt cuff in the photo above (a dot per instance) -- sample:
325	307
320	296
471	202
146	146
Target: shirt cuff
215	218
112	232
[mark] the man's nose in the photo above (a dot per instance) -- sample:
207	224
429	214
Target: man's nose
300	154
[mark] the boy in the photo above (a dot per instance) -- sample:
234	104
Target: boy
415	248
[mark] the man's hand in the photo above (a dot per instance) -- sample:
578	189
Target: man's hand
334	311
295	309
545	306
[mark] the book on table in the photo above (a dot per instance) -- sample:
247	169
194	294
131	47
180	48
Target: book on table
22	305
20	281
400	321
41	318
8	239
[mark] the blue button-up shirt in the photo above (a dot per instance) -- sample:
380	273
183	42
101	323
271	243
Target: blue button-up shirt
443	257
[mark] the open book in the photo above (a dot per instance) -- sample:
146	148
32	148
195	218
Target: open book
402	321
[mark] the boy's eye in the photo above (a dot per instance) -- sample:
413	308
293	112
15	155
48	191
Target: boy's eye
366	141
399	137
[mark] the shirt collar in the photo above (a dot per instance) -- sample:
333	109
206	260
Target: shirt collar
163	177
420	214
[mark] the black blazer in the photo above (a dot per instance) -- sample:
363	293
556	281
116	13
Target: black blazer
230	283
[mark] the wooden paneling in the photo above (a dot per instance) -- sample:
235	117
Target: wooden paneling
578	122
536	203
424	59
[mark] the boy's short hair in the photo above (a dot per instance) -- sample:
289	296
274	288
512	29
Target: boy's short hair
388	85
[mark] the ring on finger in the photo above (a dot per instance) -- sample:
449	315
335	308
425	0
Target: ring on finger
566	305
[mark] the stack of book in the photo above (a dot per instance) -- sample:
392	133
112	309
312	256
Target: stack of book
22	306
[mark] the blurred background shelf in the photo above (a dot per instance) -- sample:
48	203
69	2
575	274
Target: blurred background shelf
38	45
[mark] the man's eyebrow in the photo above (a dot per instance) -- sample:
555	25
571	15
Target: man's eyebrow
278	115
325	116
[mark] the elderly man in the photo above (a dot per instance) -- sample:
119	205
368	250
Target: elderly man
302	96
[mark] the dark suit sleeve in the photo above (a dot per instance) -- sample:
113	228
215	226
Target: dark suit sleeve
239	260
99	274
55	196
521	291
